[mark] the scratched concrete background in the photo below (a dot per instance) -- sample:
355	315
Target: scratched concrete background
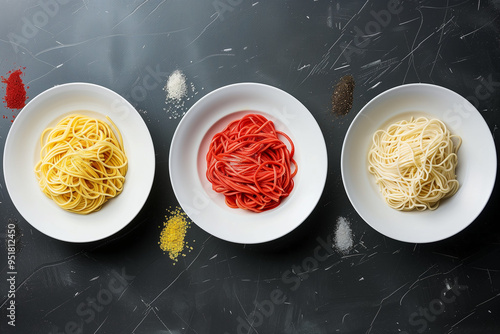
126	284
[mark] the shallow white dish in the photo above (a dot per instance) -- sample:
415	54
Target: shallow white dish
476	170
187	162
22	152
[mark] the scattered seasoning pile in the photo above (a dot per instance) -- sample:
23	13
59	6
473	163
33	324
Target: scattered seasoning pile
343	95
176	87
343	235
177	92
174	232
15	92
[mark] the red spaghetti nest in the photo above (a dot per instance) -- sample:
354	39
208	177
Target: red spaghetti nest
250	165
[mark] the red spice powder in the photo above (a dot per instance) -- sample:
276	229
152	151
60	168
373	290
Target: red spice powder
15	94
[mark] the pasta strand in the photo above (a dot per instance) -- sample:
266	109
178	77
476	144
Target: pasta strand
250	165
82	163
414	163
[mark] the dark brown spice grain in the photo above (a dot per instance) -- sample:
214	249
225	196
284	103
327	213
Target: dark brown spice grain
342	96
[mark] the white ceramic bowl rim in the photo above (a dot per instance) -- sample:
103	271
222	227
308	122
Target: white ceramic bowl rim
476	170
187	163
22	152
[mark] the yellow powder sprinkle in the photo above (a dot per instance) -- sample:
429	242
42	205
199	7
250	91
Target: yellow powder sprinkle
173	233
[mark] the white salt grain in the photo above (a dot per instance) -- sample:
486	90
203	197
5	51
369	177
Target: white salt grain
343	235
178	92
176	87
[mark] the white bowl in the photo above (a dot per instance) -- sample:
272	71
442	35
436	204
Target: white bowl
22	152
476	169
187	162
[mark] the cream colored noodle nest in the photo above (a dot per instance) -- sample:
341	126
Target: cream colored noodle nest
414	163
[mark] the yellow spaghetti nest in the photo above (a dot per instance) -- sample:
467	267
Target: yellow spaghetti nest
414	163
82	163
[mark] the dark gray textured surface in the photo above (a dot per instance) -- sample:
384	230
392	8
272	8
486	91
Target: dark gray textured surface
125	284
